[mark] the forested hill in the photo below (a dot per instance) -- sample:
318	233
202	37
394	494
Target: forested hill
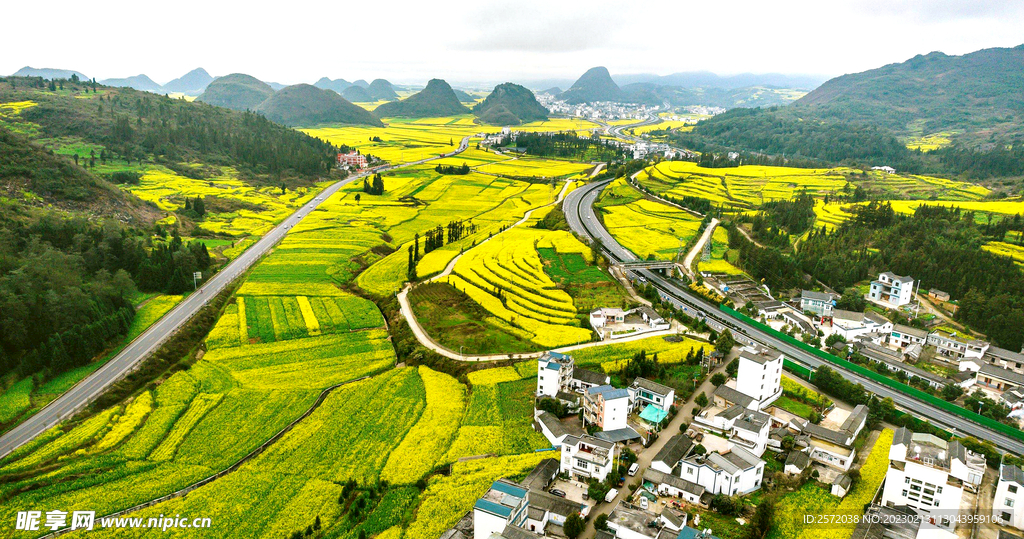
307	105
510	104
594	85
972	106
237	91
978	92
100	124
437	99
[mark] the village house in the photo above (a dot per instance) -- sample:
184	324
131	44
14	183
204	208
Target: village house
735	472
554	429
508	507
929	474
607	407
599	318
903	337
644	392
997	379
352	159
1008	505
956	347
760	375
819	303
834	447
554	371
892	290
1004	358
585	457
851	324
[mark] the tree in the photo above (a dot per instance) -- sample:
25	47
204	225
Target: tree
701	400
725	342
601	522
764	517
357	198
573	526
718	379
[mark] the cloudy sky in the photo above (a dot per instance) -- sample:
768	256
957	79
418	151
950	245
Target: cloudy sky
463	41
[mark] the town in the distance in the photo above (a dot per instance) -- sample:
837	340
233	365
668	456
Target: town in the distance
598	304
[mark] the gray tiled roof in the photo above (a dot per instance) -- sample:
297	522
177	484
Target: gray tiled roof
674	450
798	459
907	330
654	387
734	396
1009	472
816	296
589	377
1002	374
659	477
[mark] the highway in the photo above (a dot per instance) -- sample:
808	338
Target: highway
79	396
579	213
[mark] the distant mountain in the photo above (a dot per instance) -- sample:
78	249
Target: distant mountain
49	73
554	90
755	96
357	94
138	82
595	85
437	99
191	83
980	94
362	83
464	97
338	85
237	91
275	86
707	79
307	105
381	89
510	104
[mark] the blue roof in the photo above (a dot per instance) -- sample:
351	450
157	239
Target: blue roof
608	392
551	366
506	488
491	507
653	414
690	533
557	355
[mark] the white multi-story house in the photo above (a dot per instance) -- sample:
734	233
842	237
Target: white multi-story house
892	290
502	505
741	426
819	303
929	474
607	407
956	347
760	375
554	371
644	392
736	472
585	456
1008	505
511	506
851	324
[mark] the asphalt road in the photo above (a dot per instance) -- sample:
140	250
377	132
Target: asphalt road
79	396
579	213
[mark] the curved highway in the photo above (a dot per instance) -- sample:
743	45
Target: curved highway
79	396
579	212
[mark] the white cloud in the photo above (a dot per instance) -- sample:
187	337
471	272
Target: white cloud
302	40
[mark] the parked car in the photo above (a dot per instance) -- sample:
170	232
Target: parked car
633	469
557	492
611	495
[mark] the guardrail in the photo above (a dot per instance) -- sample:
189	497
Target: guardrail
927	398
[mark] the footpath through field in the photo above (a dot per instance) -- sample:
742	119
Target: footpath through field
708	231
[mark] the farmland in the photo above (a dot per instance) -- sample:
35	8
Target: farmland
749	186
646	227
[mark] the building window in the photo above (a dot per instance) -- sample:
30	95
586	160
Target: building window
1006	516
1012	489
1009	502
904	493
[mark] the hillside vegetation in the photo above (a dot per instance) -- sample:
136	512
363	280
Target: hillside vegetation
237	91
307	105
437	99
594	85
510	104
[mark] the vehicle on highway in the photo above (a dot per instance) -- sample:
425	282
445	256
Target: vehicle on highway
611	495
557	492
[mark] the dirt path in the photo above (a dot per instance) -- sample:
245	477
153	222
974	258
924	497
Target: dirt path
708	231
